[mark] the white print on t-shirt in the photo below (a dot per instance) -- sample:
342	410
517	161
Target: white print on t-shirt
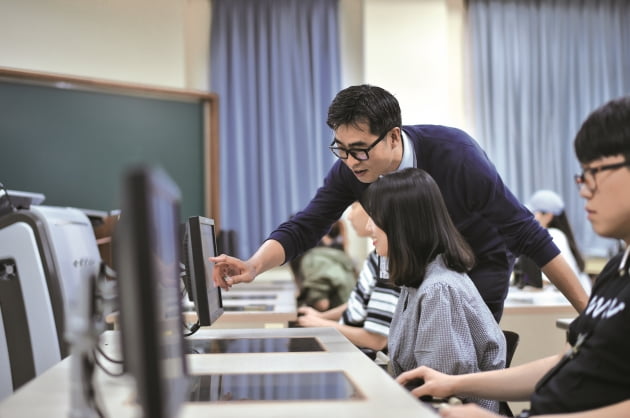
604	307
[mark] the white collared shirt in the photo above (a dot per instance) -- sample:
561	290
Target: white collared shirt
409	154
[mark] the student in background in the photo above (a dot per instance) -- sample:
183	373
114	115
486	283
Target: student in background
440	321
370	140
325	275
548	209
365	318
592	379
336	237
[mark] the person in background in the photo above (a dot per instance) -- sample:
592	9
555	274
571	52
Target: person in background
336	237
370	141
440	321
548	209
365	318
592	378
325	275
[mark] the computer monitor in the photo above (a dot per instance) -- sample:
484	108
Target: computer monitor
327	385
147	245
11	200
527	273
199	244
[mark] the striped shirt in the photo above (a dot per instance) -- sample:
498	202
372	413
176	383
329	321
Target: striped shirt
372	303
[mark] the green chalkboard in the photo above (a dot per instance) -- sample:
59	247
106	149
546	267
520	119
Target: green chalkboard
73	145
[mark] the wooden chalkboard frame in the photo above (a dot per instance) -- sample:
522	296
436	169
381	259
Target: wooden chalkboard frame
208	101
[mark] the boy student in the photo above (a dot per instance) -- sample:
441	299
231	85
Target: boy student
592	379
370	140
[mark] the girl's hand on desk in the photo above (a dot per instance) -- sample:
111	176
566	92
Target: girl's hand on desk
436	384
229	271
313	321
307	310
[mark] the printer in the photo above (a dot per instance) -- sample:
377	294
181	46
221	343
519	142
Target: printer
47	254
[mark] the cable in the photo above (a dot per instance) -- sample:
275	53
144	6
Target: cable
104	369
193	329
102	353
109	272
88	386
6	193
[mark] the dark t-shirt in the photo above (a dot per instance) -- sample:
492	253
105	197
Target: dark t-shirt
599	374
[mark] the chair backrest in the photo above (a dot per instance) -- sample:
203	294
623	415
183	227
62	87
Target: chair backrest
30	300
511	339
46	253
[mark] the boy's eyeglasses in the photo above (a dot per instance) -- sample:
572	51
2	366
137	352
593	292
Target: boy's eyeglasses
587	177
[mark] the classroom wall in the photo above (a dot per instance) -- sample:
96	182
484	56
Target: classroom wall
414	48
156	42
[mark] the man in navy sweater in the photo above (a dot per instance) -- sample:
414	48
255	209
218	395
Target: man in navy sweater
369	141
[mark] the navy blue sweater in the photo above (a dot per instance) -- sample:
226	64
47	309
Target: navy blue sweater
488	215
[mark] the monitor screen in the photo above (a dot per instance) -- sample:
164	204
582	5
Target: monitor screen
527	273
199	244
254	345
147	247
289	386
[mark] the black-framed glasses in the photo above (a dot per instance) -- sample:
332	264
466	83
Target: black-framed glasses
359	154
587	177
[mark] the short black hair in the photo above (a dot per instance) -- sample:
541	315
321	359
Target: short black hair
371	105
605	132
408	206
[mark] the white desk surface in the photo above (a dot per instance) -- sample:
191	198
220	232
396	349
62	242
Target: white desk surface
277	282
563	323
48	394
331	339
540	300
532	313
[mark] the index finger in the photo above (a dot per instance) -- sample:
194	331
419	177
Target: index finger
220	271
219	258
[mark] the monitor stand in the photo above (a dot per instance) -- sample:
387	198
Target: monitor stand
253	345
291	386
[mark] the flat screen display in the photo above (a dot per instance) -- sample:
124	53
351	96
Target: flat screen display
200	244
298	386
146	242
253	345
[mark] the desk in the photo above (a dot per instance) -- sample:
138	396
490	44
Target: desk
274	287
47	395
563	323
532	313
280	295
594	265
278	283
